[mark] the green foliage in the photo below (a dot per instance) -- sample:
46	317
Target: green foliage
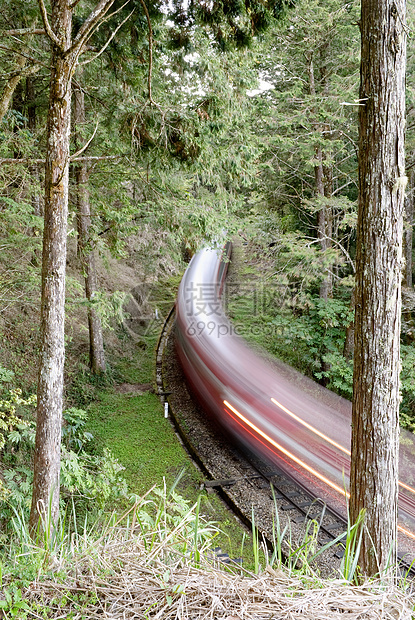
13	605
166	515
255	542
13	427
349	566
109	307
311	73
231	23
18	251
314	335
83	475
92	477
74	434
6	376
339	375
10	421
407	407
302	265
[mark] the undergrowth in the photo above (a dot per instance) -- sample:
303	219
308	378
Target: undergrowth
157	543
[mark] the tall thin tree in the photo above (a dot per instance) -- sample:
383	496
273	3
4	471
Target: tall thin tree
65	54
375	432
86	248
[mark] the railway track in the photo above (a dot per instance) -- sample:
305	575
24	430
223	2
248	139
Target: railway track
249	483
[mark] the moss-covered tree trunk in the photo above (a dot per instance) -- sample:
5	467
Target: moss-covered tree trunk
375	432
45	498
11	85
65	53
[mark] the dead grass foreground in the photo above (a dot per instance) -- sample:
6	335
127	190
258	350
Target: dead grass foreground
122	580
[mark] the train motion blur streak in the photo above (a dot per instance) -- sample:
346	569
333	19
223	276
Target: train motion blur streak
283	417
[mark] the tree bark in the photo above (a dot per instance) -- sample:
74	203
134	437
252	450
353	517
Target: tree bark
86	246
11	85
45	498
375	423
408	234
65	53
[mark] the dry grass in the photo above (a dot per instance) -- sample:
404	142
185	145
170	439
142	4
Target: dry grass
118	578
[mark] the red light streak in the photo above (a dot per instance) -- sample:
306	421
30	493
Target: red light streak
323	436
286	452
311	428
300	462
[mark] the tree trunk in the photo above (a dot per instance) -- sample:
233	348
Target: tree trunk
65	53
45	498
11	85
375	425
408	235
34	169
86	247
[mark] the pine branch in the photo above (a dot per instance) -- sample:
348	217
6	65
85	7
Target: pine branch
150	52
89	24
102	50
75	155
29	160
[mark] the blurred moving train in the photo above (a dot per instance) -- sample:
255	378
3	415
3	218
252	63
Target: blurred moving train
283	417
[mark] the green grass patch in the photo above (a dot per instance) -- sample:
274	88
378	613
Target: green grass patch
133	427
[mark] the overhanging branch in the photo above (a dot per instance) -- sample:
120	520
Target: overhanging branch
75	155
150	50
90	23
21	53
86	62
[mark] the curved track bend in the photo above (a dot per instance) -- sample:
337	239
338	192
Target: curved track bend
262	408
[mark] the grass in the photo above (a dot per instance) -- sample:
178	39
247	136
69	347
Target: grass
135	430
154	561
132	425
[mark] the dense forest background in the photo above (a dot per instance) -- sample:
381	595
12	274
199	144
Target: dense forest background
188	123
